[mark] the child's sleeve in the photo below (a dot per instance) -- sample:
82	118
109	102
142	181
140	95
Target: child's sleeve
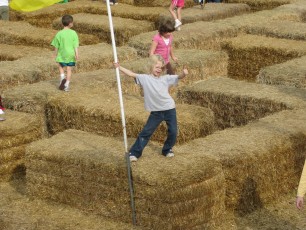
302	185
76	41
55	42
172	79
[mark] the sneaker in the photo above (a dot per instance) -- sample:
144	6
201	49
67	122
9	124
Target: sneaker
133	158
177	23
2	119
116	3
66	89
62	85
170	153
111	3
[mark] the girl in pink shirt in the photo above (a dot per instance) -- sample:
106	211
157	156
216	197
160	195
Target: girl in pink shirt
162	43
178	4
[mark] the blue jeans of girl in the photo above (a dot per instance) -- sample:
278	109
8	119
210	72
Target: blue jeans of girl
155	118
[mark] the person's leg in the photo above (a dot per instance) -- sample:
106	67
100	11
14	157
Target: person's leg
171	9
179	13
68	78
143	138
171	121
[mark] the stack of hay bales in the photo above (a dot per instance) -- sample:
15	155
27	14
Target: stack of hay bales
279	29
237	103
212	12
14	52
99	112
34	69
89	172
249	53
291	73
22	33
17	131
261	160
197	35
260	4
41	214
98	25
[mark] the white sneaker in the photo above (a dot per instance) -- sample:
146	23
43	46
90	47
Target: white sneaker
170	153
66	89
111	3
133	159
177	23
1	111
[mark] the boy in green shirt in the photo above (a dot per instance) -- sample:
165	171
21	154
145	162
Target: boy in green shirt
66	43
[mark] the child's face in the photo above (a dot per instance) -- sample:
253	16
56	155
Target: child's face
157	69
167	35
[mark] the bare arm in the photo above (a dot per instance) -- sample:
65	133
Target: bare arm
184	73
125	71
172	55
153	48
76	50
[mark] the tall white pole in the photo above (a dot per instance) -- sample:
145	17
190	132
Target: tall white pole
117	75
130	180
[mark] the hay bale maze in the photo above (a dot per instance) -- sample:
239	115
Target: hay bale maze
241	119
18	130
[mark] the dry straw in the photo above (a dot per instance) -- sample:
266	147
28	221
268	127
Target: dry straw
260	4
14	52
19	128
93	178
22	33
261	160
41	214
42	66
99	112
260	52
98	25
291	73
237	103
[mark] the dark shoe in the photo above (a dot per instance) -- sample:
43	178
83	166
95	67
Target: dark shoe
62	85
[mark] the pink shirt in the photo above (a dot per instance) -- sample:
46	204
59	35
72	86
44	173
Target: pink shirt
161	48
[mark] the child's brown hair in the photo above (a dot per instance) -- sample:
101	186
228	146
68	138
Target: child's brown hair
67	19
166	25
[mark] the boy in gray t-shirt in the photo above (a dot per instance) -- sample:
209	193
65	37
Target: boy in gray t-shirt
158	102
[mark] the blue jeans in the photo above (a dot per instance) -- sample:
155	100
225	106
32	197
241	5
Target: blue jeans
153	122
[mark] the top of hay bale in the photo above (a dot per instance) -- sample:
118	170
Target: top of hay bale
292	98
261	4
290	73
13	52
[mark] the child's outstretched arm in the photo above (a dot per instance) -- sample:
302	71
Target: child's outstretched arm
184	73
125	71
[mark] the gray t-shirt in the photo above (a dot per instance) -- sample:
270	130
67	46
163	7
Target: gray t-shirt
156	91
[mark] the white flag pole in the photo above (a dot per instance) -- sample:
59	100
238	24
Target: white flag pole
117	74
122	114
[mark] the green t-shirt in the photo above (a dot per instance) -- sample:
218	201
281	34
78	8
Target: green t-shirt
65	41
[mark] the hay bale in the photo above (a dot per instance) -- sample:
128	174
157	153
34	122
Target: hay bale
197	35
46	16
22	33
212	12
154	3
81	110
40	214
260	4
237	103
19	129
12	163
195	195
279	29
261	160
249	53
291	73
14	52
34	69
98	25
